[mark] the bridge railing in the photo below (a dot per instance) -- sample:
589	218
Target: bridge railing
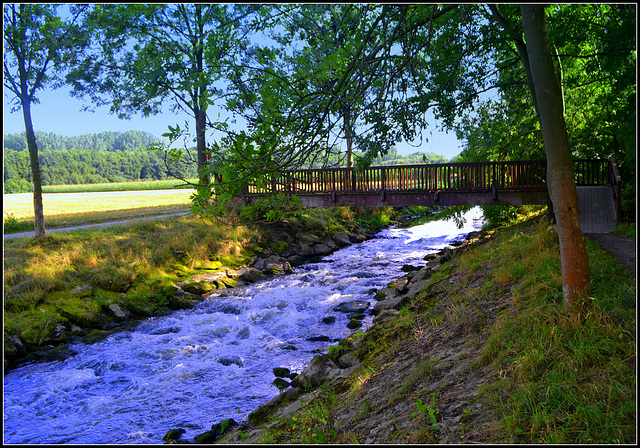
430	177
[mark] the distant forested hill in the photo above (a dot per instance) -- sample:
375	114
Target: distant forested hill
393	158
104	141
86	159
118	157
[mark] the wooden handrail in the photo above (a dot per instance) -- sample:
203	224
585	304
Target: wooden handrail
465	176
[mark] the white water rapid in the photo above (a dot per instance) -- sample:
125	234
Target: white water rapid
195	367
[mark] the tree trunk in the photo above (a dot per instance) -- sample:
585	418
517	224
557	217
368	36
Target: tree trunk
200	108
201	145
348	133
560	176
35	171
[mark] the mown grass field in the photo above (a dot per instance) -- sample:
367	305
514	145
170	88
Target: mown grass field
118	186
121	201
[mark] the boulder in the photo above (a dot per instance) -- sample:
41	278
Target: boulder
416	287
324	248
445	255
399	284
229	360
251	274
281	372
173	435
391	304
199	288
422	275
116	312
430	257
353	306
341	239
265	410
385	315
347	361
328	320
319	339
274	265
281	384
217	431
319	370
183	300
387	294
13	346
408	268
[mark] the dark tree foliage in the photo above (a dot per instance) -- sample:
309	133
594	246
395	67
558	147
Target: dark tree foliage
90	158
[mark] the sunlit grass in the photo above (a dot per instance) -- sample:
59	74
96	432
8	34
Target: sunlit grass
61	210
132	257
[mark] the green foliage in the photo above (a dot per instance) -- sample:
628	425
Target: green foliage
428	411
499	214
378	218
272	208
102	141
10	223
313	423
594	50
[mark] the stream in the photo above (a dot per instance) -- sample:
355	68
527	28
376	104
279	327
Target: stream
193	368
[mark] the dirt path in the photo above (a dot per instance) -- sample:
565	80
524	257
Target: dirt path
622	247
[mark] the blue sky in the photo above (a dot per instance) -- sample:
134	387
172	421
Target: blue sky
60	113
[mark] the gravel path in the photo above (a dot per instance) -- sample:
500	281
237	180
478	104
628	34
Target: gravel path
64	229
622	247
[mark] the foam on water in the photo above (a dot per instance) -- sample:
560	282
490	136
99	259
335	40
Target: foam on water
196	367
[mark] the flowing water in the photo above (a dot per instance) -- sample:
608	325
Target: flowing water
195	367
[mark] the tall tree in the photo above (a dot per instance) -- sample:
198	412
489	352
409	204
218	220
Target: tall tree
443	58
560	176
37	43
150	54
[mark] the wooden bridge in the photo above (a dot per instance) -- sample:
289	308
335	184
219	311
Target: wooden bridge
487	183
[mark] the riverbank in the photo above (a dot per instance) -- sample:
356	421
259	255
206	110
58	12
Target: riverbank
90	283
477	351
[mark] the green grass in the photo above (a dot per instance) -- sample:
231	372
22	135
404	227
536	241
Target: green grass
139	258
561	381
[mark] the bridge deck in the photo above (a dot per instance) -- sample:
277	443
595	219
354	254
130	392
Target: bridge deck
487	183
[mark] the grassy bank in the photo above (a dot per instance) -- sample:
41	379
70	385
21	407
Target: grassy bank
486	352
133	266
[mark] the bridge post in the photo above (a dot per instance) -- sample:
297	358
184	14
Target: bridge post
616	182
